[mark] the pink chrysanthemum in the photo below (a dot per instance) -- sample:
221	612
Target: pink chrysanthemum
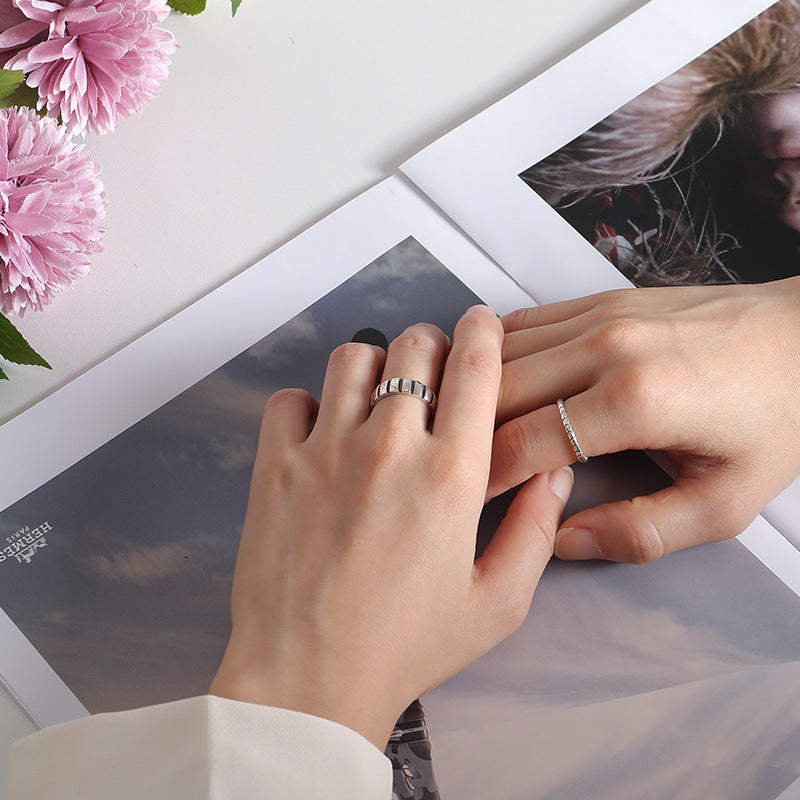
102	58
17	31
51	207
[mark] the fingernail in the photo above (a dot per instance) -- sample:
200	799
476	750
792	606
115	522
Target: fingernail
560	482
479	310
577	544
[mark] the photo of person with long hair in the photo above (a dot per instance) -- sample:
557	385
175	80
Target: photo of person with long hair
697	180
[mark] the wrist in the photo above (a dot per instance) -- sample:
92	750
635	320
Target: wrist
256	680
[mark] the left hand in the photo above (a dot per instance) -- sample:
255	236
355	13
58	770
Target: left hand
356	586
710	375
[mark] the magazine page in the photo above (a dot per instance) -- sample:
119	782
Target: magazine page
675	164
118	554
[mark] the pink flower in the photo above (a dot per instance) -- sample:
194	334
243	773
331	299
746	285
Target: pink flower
51	207
17	31
102	58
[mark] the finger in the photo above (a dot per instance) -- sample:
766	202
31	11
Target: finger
509	569
538	441
525	342
549	314
418	353
353	372
694	510
471	380
538	380
288	418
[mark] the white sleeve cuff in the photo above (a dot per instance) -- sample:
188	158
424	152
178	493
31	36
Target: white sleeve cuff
205	747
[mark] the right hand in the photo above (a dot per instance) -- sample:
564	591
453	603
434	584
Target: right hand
708	374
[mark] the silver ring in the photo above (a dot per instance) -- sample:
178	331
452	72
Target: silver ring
404	386
573	439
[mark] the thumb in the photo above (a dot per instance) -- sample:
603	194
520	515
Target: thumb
694	510
507	572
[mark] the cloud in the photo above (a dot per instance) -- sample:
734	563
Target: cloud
148	564
281	346
235	453
405	262
626	682
385	303
594	635
733	737
217	399
219	416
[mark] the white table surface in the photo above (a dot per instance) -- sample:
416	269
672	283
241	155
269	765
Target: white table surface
267	123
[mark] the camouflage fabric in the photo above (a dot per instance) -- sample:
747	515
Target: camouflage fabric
409	750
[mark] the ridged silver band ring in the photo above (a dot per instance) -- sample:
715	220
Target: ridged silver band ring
573	439
404	386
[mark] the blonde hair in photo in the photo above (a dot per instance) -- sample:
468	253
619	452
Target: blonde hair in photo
640	142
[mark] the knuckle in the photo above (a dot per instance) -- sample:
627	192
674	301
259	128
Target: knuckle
510	392
638	389
633	388
458	485
511	608
273	475
544	525
620	335
513	445
388	447
477	363
645	542
286	396
283	462
352	352
618	301
520	319
421	337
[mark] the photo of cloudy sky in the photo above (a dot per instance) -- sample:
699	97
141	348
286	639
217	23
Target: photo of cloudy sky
680	679
129	600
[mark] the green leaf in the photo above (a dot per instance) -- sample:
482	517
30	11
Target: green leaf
3	376
10	79
188	6
14	91
15	349
235	6
23	95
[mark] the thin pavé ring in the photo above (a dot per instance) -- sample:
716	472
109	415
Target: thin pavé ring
573	439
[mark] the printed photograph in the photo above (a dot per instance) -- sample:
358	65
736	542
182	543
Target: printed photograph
697	180
119	570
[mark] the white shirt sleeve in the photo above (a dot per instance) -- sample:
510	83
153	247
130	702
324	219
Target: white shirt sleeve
205	748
